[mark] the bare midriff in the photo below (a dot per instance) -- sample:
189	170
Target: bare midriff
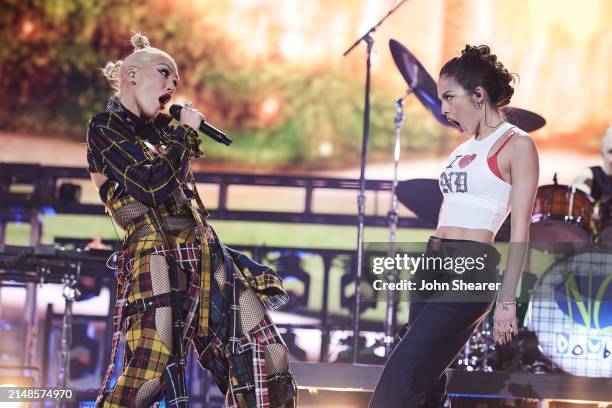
479	235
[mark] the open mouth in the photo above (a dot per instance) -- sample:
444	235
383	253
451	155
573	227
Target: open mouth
455	123
163	100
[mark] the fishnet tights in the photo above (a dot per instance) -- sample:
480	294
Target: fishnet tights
163	324
276	354
128	212
147	392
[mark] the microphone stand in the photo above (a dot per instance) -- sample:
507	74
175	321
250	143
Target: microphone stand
364	153
392	275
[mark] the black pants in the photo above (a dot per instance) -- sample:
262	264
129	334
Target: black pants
414	375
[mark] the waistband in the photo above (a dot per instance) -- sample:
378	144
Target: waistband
141	305
436	244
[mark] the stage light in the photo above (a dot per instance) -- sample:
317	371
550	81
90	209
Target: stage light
27	28
326	149
269	107
291	45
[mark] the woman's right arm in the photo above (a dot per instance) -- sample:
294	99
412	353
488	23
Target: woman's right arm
114	155
584	180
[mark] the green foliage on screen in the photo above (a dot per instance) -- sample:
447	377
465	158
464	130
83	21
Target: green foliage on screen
52	85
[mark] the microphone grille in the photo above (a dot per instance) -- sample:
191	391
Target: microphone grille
175	111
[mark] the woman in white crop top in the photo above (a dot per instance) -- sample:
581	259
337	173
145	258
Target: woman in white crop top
474	108
494	170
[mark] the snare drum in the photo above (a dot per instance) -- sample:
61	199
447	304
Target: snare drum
561	214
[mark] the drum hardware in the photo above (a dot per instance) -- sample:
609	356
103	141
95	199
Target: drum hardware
479	352
522	354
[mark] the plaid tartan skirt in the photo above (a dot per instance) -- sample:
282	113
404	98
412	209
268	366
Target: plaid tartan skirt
240	347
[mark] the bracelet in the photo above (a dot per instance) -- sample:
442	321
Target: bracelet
506	303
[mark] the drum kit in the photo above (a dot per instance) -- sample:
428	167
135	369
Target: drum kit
568	215
566	320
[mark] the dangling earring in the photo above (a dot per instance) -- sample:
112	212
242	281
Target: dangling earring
478	105
133	76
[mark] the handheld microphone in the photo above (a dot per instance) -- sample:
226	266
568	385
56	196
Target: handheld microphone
208	130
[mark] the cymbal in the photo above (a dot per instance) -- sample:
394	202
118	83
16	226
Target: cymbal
421	196
418	80
526	120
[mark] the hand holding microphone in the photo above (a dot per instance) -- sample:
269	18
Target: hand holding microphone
191	117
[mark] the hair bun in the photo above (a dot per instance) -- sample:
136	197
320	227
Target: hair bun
111	73
482	52
111	69
477	66
140	41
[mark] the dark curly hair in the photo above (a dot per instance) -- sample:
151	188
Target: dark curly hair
476	66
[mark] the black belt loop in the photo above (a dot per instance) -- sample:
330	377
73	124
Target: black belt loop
434	243
143	304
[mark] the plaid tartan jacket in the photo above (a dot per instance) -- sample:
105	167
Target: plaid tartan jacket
115	151
117	148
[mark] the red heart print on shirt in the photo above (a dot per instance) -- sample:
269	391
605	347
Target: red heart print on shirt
467	159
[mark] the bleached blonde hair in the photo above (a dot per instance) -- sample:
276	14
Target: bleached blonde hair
143	53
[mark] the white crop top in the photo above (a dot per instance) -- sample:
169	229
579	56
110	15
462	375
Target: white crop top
474	197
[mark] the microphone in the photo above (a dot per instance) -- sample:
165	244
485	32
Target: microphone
208	130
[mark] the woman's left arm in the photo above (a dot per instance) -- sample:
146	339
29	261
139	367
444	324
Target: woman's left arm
524	170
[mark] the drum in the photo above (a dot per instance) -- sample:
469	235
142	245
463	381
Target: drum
571	313
561	214
602	216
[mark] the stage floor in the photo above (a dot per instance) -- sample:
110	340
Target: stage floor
362	379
